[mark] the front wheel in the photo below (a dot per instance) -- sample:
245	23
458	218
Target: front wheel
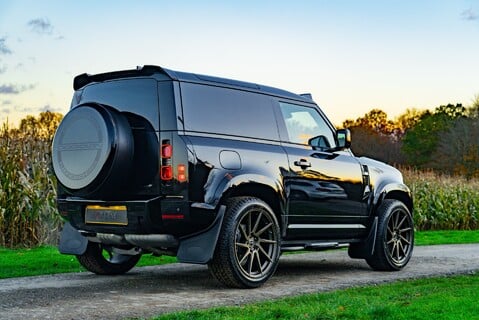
395	237
103	260
248	247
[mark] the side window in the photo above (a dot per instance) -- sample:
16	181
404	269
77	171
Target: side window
210	109
304	123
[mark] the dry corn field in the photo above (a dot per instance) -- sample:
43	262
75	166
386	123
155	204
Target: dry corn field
27	191
443	202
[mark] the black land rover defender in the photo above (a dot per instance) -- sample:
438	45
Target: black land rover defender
219	172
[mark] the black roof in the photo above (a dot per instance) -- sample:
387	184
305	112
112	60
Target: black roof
83	79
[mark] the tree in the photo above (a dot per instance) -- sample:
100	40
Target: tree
420	142
458	148
409	119
374	135
473	111
43	126
375	120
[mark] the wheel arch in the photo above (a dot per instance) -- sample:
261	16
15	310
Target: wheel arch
396	191
266	190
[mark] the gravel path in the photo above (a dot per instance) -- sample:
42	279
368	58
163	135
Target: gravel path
149	291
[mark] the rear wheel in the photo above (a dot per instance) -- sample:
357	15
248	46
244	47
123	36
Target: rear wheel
248	247
102	259
395	237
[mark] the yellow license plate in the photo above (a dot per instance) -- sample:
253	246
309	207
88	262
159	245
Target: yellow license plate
114	215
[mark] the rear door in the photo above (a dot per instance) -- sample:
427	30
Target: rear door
325	190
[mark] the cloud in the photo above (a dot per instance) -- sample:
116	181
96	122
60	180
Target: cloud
3	47
3	69
14	89
469	15
6	102
41	26
48	107
6	110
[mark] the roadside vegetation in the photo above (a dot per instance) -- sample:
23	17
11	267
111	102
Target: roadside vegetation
451	298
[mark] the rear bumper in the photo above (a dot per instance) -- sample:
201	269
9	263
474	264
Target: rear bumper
195	248
152	216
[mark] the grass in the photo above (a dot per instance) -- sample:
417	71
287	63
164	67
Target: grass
424	238
47	259
452	298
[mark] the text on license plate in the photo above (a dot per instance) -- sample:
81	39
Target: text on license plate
116	215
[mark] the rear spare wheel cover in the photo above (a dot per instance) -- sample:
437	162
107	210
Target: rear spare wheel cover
81	147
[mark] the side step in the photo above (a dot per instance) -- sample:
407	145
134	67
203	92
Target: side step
313	245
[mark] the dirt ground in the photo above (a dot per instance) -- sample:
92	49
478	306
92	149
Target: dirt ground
148	291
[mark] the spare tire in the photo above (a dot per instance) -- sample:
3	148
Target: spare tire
92	151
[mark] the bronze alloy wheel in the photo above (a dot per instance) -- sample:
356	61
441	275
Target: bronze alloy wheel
256	243
399	236
395	237
248	247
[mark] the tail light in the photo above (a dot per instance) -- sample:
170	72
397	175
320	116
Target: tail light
181	172
166	170
166	150
166	173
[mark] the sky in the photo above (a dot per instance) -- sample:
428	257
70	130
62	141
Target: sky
352	56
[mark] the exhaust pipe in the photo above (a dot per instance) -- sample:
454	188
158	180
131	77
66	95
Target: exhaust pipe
138	240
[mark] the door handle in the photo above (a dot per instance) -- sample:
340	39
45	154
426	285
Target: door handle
302	163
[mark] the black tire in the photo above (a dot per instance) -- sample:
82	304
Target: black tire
92	149
248	248
94	260
395	237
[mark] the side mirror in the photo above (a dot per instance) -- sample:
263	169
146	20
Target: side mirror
344	138
319	142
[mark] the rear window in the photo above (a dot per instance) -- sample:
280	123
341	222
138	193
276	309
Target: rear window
209	109
138	96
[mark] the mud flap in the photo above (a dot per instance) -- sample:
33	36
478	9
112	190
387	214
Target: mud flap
365	249
201	247
71	241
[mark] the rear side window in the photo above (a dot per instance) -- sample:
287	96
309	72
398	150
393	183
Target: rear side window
138	96
209	109
304	123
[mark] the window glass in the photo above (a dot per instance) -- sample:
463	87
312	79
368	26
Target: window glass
303	123
138	96
220	110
